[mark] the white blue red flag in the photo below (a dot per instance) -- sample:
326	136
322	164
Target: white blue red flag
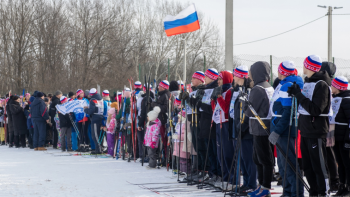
186	21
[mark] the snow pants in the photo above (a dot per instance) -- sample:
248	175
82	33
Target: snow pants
55	132
83	133
140	138
95	133
248	166
290	184
66	132
343	160
2	134
315	165
110	143
332	167
20	139
39	133
213	163
226	146
30	136
152	154
74	136
264	160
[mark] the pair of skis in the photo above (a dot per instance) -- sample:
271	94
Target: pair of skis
117	144
147	108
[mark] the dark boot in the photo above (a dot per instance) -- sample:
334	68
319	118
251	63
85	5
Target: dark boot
342	189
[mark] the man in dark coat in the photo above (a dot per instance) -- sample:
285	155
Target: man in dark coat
162	103
19	122
52	112
40	117
314	109
95	110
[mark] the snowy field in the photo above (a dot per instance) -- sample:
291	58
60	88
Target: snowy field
25	172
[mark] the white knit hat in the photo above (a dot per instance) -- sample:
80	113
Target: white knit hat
105	93
63	99
153	115
93	91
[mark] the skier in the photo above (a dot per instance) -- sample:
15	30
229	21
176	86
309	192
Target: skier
222	94
162	103
66	128
10	129
314	108
259	98
280	110
19	122
339	132
82	123
95	111
247	165
110	128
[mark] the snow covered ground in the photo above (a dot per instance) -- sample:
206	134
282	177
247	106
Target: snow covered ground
25	172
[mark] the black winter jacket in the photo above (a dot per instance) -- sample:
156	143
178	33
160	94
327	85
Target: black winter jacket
65	120
55	101
18	118
9	115
343	116
162	103
314	125
143	115
39	110
206	116
93	109
260	72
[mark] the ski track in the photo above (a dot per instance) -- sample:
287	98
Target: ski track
25	172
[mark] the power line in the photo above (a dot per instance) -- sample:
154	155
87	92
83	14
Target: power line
279	33
341	14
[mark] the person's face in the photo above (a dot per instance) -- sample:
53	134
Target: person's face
46	103
18	100
220	81
59	96
237	80
27	97
43	97
73	97
334	90
207	80
196	82
161	88
81	95
304	70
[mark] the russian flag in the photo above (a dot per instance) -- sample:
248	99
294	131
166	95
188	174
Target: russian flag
186	21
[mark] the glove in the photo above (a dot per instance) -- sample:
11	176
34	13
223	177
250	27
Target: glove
273	138
217	91
293	90
200	94
183	95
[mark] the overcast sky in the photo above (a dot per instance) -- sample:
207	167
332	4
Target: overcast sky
256	19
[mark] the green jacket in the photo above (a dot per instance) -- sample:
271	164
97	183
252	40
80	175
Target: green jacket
127	109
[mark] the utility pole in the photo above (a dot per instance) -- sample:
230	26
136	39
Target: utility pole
229	35
329	13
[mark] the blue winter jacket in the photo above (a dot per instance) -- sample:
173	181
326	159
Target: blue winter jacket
93	109
39	110
282	106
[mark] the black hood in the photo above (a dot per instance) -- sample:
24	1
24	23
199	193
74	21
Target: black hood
343	94
260	72
330	68
212	85
37	101
54	98
96	96
322	75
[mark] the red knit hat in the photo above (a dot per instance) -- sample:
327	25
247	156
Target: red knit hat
226	76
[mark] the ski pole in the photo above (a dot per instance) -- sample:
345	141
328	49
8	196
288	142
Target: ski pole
195	111
290	126
277	145
296	144
221	151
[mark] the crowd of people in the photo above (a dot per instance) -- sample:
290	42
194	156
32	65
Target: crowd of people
226	125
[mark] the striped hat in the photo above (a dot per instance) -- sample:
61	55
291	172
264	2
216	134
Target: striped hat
138	84
164	84
313	63
241	72
27	94
93	91
199	75
212	73
127	89
182	84
119	93
286	68
70	99
79	91
63	99
105	93
341	83
177	101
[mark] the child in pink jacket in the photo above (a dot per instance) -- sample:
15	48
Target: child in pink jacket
151	140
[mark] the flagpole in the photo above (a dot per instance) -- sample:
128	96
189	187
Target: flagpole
184	72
